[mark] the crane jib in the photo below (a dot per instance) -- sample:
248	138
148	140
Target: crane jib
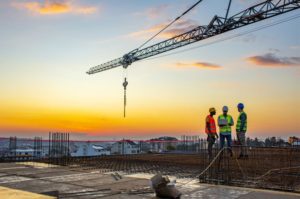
217	26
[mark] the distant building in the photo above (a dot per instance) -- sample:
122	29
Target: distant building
192	143
145	147
22	152
125	147
294	141
89	149
162	144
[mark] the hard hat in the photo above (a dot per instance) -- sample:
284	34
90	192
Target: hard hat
212	110
240	106
225	109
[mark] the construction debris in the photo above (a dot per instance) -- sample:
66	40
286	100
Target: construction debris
163	187
116	176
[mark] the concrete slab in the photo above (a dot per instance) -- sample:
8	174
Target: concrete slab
8	193
38	165
92	184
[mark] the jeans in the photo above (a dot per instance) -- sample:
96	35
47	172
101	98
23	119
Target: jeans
211	141
241	136
222	140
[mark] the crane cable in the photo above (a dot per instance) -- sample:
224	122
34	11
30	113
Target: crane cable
172	22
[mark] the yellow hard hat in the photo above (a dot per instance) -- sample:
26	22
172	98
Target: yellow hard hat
212	110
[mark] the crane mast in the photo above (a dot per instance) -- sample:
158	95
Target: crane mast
217	26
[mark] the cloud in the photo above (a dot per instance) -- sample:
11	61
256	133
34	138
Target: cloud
295	47
154	12
54	7
202	65
272	60
178	28
274	50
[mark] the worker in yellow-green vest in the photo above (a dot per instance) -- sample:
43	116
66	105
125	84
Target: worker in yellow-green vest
225	122
241	128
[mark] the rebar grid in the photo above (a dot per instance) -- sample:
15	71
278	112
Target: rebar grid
269	168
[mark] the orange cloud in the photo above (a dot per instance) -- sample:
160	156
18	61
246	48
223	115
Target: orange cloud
177	28
271	60
202	65
47	8
51	7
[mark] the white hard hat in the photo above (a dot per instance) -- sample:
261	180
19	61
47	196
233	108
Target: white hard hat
225	109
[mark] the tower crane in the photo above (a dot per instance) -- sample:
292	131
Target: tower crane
218	25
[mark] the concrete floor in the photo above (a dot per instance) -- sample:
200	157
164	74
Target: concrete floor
16	194
62	181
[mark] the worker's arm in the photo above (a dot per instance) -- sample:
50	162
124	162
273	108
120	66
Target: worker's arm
219	121
207	125
216	134
243	121
231	121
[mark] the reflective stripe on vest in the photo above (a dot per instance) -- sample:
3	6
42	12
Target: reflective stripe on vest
239	123
227	128
211	128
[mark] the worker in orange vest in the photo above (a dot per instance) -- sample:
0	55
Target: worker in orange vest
211	131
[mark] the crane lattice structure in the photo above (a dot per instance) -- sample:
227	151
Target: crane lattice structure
218	25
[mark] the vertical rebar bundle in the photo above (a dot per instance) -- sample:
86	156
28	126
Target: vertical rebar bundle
13	147
37	147
59	144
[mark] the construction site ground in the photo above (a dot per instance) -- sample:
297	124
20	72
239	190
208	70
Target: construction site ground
19	180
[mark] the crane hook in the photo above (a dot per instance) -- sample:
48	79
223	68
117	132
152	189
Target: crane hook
125	83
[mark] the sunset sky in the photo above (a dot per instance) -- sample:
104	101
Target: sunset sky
46	47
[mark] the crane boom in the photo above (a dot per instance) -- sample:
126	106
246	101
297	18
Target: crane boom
218	25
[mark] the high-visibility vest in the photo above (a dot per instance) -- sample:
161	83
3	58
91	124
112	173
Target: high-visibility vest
239	123
210	125
226	128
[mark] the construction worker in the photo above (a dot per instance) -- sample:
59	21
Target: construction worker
241	128
225	122
211	130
